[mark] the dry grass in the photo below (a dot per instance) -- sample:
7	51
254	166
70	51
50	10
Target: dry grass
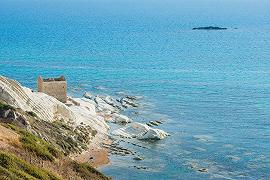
61	167
34	144
14	167
9	138
26	156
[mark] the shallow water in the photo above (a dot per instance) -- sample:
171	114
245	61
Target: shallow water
211	88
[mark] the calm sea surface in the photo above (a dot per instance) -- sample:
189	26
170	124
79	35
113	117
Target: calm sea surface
211	88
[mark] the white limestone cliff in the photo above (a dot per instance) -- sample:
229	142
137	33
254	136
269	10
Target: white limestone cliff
49	108
90	110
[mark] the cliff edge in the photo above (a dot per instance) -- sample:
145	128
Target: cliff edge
40	136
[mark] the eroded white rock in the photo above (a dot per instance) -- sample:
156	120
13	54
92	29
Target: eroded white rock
140	131
49	108
119	118
102	105
88	95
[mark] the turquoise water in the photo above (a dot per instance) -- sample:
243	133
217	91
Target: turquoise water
211	85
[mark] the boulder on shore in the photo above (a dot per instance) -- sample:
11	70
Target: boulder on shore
103	105
119	118
141	131
88	95
127	102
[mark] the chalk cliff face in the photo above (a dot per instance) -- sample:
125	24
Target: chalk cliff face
48	108
87	111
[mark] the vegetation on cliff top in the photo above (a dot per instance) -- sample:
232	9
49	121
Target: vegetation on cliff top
86	171
4	106
13	167
38	154
64	136
34	144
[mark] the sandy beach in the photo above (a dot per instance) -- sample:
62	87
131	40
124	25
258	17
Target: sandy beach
95	155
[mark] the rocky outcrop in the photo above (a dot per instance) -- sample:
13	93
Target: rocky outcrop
140	131
154	123
50	109
87	95
11	116
91	110
128	101
46	107
86	113
103	106
111	108
73	126
121	119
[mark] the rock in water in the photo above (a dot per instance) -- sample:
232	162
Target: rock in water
203	170
141	131
154	123
159	122
134	98
203	138
154	134
119	118
109	100
88	95
138	158
209	28
103	106
128	103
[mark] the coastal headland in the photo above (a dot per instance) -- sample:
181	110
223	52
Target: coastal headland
57	137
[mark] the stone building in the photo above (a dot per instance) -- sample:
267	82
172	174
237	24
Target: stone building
56	87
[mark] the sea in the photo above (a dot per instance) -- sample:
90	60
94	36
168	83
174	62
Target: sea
210	88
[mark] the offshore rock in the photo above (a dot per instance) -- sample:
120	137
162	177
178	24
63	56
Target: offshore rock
209	28
126	102
133	98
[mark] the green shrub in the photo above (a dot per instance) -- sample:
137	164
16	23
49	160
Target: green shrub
31	113
12	167
6	174
86	171
4	106
34	144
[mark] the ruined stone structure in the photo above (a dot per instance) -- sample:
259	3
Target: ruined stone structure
56	87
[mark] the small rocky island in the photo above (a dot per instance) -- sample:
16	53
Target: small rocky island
210	28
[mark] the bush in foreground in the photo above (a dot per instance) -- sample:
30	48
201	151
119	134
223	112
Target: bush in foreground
12	167
86	171
34	144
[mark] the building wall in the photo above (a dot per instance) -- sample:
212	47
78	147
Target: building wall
57	89
40	84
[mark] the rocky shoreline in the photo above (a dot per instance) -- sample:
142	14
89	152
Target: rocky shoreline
81	124
126	130
111	110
